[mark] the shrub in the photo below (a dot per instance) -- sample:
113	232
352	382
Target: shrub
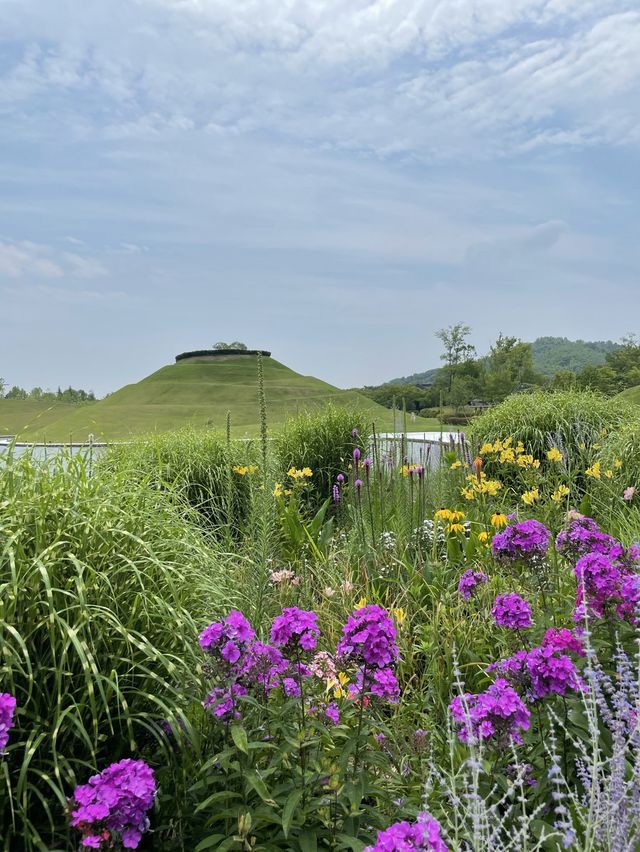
322	441
101	582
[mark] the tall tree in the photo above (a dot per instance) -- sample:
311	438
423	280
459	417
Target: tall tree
457	349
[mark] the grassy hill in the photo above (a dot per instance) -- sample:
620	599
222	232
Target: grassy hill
630	395
197	393
20	415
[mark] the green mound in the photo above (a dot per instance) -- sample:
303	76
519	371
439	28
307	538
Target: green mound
630	395
18	416
199	393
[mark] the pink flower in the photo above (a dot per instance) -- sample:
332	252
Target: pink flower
629	493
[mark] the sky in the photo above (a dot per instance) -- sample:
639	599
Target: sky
333	181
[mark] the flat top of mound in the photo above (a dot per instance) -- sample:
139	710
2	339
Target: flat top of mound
199	393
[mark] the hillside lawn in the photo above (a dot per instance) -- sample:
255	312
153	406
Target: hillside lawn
193	393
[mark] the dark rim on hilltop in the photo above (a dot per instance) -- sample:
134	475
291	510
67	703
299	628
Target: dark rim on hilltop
199	353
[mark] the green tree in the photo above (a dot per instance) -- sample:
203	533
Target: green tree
17	393
509	366
457	349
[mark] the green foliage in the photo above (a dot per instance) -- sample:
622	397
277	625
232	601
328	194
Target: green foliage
196	466
566	419
322	442
103	580
552	355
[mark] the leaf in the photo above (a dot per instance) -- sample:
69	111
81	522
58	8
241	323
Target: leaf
239	737
209	842
348	842
256	783
289	810
308	842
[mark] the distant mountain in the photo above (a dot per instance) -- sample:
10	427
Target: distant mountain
550	354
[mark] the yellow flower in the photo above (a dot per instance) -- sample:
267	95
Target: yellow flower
456	465
456	515
307	471
498	520
560	492
608	473
508	455
399	615
486	448
520	447
554	454
594	470
343	677
617	464
468	493
483	536
361	603
528	460
277	491
530	497
480	485
596	446
444	514
287	492
241	469
455	528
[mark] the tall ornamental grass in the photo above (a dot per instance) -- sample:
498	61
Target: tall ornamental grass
322	441
197	466
103	586
570	420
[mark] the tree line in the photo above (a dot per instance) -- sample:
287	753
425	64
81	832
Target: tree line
466	378
70	395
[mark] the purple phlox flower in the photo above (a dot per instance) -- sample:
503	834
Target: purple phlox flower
540	672
7	709
498	713
355	433
424	833
379	737
291	687
583	535
222	702
116	800
369	638
512	611
264	665
332	713
599	584
295	628
381	683
526	541
234	627
629	493
629	607
468	582
563	639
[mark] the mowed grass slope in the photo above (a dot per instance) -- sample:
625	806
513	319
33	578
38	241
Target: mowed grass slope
20	415
630	395
199	393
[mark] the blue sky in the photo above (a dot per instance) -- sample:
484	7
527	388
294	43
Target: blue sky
332	181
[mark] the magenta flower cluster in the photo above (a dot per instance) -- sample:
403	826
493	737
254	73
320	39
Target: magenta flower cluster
583	535
424	833
604	587
7	709
512	611
228	638
113	805
524	541
295	629
497	714
540	672
468	582
369	641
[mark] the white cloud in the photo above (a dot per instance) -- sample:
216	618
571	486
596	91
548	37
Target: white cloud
27	259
